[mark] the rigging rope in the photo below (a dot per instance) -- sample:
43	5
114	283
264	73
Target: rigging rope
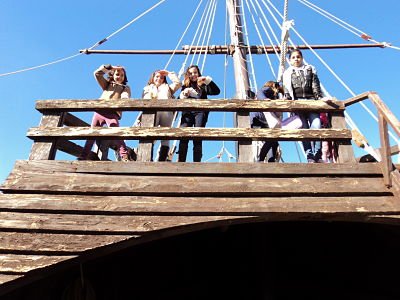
183	35
209	36
91	48
344	24
284	38
340	80
253	86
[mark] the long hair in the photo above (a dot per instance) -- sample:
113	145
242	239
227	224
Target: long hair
111	75
275	87
151	79
186	81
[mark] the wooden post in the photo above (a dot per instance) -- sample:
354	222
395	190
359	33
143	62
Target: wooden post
242	120
386	162
46	150
145	148
345	150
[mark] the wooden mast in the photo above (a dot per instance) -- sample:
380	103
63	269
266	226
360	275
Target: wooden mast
242	83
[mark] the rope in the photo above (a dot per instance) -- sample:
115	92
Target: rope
253	74
183	35
209	36
261	39
182	70
344	24
340	80
91	48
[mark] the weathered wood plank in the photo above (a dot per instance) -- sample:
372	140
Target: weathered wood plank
57	243
173	206
388	115
46	149
386	163
196	105
73	149
26	263
145	148
212	169
244	148
72	120
100	224
182	185
356	99
345	150
166	133
6	278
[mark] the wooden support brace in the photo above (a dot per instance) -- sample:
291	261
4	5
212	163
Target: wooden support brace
345	150
245	149
46	150
386	162
145	148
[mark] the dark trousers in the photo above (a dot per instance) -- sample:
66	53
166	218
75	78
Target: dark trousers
192	119
267	144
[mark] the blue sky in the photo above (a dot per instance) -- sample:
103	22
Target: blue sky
33	33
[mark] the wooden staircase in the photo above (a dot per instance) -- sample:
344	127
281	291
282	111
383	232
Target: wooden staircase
56	214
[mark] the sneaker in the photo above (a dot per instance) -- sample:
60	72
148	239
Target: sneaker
310	160
320	161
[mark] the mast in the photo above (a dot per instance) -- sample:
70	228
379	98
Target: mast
239	54
244	151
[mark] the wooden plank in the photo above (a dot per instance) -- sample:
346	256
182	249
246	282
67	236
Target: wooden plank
73	149
193	185
180	169
245	149
6	278
46	149
183	205
167	133
33	242
356	99
145	148
386	162
72	120
100	224
26	263
195	105
388	115
345	150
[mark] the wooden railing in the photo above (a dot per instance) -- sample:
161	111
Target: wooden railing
385	117
58	127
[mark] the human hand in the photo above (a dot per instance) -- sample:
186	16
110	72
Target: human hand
201	80
163	72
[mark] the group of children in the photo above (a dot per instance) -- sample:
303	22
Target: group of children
300	81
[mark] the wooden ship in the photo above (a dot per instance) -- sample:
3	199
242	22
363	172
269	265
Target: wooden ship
104	229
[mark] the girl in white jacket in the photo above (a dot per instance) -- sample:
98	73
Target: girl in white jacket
158	88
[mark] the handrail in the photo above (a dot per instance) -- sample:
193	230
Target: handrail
233	105
51	135
385	117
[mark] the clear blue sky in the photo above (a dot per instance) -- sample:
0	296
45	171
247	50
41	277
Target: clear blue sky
37	32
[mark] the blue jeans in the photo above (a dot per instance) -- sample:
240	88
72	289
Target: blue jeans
190	119
311	121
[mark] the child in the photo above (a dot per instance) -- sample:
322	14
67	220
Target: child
114	87
157	88
195	86
301	82
269	91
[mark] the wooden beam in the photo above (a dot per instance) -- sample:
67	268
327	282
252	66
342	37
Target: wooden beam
227	49
180	169
356	99
46	149
167	133
196	105
174	206
66	183
145	148
345	150
387	114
